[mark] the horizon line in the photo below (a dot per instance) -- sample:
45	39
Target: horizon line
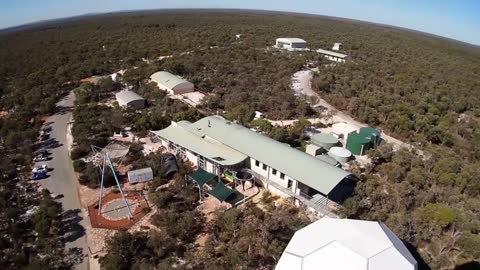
13	28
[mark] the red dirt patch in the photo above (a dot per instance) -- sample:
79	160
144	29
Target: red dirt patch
100	221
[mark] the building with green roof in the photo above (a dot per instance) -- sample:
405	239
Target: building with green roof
216	145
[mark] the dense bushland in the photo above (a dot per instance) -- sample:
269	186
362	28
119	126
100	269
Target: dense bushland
418	88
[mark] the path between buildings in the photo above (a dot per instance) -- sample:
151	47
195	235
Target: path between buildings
302	84
62	181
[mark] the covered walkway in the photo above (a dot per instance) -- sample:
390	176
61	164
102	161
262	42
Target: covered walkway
216	188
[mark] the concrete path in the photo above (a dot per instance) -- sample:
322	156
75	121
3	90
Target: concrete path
62	181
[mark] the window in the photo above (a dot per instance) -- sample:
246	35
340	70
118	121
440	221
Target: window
274	172
282	176
290	183
257	163
264	167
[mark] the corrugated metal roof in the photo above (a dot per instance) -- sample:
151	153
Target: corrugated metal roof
140	171
168	79
346	244
128	96
294	163
340	55
208	148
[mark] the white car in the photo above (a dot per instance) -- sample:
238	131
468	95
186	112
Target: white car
41	168
40	158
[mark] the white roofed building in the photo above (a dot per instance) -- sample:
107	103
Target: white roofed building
130	99
171	83
340	244
140	176
337	46
333	56
291	43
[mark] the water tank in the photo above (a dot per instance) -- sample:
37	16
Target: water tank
324	140
358	143
374	134
340	154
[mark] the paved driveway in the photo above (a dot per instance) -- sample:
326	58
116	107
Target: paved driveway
62	180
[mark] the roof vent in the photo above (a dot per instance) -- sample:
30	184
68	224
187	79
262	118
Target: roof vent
229	123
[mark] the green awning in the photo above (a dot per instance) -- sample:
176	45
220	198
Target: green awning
221	192
201	176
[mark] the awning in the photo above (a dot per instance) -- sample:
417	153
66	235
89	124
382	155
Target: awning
221	192
201	176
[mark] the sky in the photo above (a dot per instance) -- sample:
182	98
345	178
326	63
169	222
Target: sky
458	19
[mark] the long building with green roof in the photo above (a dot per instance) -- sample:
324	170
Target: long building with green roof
216	145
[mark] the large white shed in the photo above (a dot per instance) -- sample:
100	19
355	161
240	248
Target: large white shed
171	83
290	43
339	244
130	99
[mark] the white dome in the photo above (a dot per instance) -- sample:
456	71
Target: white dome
346	244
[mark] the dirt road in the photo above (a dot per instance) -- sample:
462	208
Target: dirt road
301	84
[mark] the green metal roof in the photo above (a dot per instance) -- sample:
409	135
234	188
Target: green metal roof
168	79
201	176
208	148
292	162
221	192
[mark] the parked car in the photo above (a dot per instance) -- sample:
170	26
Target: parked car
39	175
40	158
40	169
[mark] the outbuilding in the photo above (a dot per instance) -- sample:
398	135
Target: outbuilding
130	99
333	56
290	43
171	83
140	176
337	46
338	244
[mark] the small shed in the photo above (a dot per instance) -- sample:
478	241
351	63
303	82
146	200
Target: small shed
337	46
140	176
313	149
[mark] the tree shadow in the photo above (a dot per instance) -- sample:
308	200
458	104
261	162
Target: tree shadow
51	144
422	265
469	266
72	228
63	109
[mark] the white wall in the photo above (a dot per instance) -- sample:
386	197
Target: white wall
191	157
208	166
268	173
